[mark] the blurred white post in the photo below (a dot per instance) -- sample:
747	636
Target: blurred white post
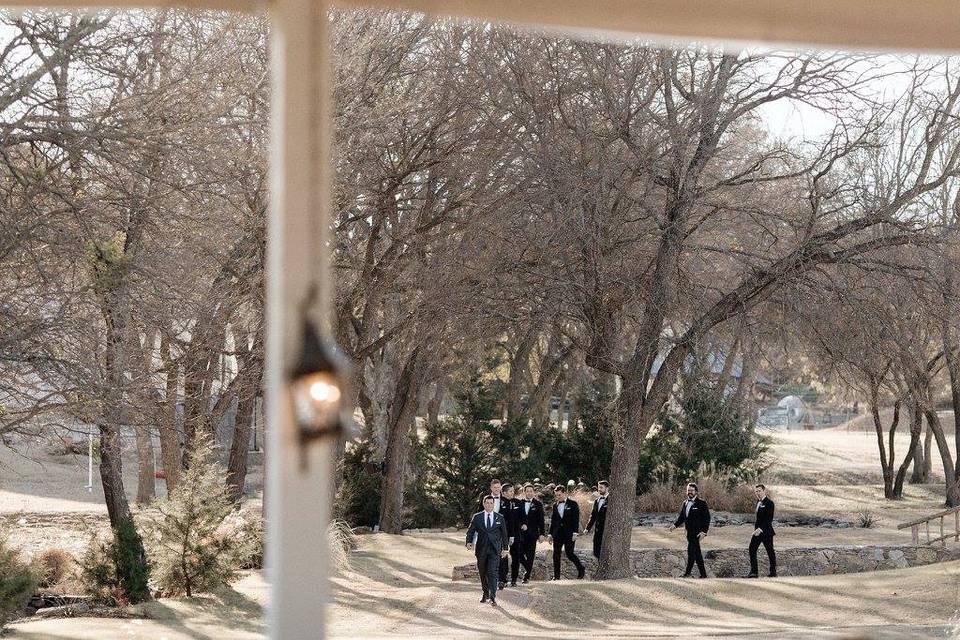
90	462
298	497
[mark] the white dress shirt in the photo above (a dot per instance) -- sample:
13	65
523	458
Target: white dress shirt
689	504
526	508
561	506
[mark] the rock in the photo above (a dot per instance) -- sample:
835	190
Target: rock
66	611
450	530
656	563
359	531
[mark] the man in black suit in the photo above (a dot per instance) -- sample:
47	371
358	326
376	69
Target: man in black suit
532	530
598	517
763	532
487	535
564	526
510	510
695	516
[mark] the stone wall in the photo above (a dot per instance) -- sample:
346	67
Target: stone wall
727	563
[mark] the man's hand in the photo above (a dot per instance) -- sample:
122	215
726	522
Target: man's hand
549	538
540	539
575	534
469	545
758	532
511	540
523	527
586	531
701	535
671	527
503	554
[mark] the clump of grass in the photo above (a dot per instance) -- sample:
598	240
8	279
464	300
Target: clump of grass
342	541
865	520
52	566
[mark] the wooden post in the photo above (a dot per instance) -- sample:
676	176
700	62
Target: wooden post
915	534
943	539
928	531
956	526
298	490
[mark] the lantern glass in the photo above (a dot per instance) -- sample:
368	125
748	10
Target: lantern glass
316	399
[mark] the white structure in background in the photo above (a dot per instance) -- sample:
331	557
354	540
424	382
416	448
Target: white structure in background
791	412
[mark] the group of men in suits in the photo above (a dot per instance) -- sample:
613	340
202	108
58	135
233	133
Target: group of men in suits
505	533
695	518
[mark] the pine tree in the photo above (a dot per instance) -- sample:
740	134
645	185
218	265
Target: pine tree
189	548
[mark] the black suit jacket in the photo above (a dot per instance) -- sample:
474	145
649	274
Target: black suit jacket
511	513
492	540
699	519
598	515
562	529
764	518
534	520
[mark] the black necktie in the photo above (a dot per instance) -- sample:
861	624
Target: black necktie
489	523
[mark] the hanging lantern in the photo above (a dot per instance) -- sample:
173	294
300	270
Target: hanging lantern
318	384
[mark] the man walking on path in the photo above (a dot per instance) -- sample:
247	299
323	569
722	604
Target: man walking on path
487	535
695	516
763	532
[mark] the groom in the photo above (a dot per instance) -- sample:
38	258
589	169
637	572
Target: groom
487	535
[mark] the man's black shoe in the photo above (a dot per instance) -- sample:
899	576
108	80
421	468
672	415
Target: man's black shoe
513	584
502	585
483	599
772	575
703	576
686	575
493	603
526	579
582	572
751	575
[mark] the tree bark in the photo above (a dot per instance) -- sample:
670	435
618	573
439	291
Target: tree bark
401	423
952	494
146	474
167	411
916	422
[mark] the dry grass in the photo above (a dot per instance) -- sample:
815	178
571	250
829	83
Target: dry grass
666	498
342	541
53	566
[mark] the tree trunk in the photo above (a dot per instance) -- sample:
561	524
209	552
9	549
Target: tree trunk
146	474
917	476
885	466
952	494
927	455
167	410
400	426
519	372
240	445
916	421
436	401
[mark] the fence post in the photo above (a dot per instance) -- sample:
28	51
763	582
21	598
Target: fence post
915	534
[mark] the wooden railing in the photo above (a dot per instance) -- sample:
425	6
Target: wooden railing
915	527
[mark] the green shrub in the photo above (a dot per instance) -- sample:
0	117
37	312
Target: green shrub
706	430
112	570
358	496
17	583
190	545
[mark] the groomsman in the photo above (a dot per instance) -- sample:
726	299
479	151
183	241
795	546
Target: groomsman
695	516
532	529
564	526
763	532
487	535
510	510
598	517
498	500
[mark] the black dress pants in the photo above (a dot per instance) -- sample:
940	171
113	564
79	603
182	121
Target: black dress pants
767	542
694	555
597	542
567	546
528	554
